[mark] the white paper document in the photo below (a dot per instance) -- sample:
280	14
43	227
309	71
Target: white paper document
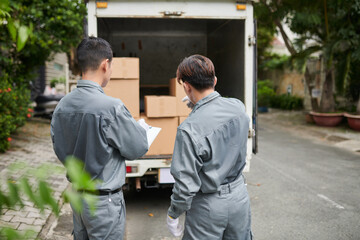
152	134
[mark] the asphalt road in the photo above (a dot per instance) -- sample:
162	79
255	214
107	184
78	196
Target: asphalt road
300	188
303	189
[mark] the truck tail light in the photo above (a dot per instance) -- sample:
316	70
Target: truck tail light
131	169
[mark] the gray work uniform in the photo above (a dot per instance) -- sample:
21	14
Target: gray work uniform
208	159
101	132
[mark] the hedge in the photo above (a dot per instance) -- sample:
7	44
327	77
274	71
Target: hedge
286	102
14	110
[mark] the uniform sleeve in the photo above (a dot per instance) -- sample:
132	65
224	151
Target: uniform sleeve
125	134
185	168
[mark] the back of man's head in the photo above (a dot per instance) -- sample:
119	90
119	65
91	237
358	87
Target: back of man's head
198	71
91	52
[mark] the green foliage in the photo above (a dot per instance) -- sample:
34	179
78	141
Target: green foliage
286	102
266	31
41	28
18	184
30	31
11	234
14	110
274	61
353	89
330	28
55	81
80	181
265	92
42	194
268	98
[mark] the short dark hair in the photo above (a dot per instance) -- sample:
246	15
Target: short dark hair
197	70
91	52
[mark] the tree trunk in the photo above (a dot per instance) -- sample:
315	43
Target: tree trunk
358	107
314	103
327	102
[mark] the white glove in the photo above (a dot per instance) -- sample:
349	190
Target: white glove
174	227
189	103
143	124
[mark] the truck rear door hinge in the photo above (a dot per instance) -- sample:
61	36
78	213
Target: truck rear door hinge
251	133
252	40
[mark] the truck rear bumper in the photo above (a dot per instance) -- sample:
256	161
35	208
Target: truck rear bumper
147	167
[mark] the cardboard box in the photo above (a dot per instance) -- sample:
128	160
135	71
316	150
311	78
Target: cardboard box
181	119
177	90
125	68
160	106
165	141
128	92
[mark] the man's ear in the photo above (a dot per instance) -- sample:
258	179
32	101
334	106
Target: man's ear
187	86
215	81
104	65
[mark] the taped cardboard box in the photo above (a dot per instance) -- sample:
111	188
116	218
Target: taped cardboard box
125	68
177	90
160	106
128	92
165	141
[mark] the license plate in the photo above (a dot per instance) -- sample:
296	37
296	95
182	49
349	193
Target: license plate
165	176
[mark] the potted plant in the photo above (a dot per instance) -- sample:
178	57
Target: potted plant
353	119
327	119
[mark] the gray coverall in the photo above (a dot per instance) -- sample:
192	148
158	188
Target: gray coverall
101	132
208	159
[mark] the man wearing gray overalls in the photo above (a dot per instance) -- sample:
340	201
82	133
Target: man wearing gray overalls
101	132
208	159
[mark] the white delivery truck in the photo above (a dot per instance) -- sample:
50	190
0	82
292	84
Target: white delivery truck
161	33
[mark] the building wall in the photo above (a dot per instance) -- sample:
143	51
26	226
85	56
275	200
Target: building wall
286	81
56	67
290	82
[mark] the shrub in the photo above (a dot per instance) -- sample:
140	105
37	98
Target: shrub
264	93
286	102
55	81
14	110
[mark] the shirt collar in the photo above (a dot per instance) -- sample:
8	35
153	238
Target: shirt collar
205	100
89	83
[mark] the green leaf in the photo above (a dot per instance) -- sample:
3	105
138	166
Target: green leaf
11	234
79	178
12	30
4	200
14	197
4	5
23	35
24	184
74	199
45	194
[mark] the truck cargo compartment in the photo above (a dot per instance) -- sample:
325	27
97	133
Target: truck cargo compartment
161	44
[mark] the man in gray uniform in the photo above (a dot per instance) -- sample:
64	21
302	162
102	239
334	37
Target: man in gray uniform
208	159
101	132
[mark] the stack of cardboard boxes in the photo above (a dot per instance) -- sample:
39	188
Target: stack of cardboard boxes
124	83
166	112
